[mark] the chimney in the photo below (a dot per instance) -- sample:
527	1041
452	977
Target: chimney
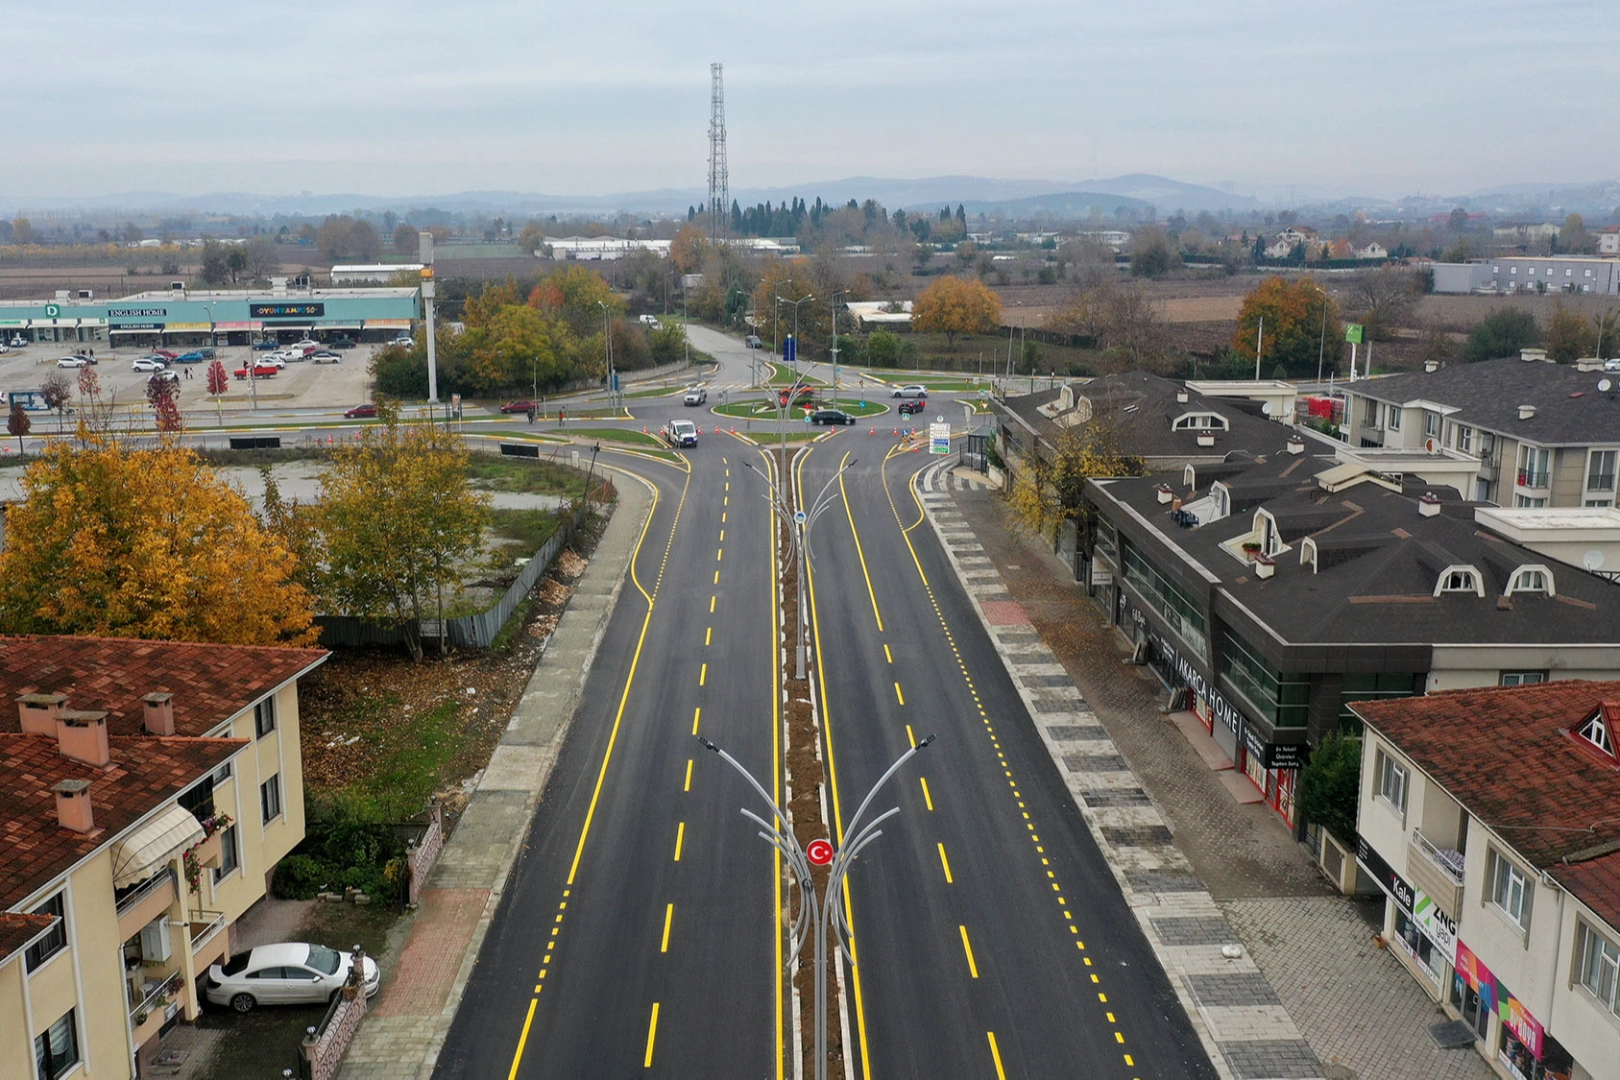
1296	445
1526	411
1531	356
1182	397
157	714
82	736
38	712
1431	366
1589	363
1165	493
1428	504
73	805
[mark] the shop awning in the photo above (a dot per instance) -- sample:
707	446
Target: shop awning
339	326
189	326
388	324
142	853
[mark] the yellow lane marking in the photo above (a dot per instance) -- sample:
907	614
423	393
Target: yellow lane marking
973	969
696	712
898	695
528	1021
720	554
712	599
669	917
708	636
717	577
887	655
995	1054
725	500
703	674
680	838
946	863
859	551
722	536
722	520
688	786
927	798
911	737
652	1033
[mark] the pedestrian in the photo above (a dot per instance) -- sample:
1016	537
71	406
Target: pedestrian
562	416
188	371
531	414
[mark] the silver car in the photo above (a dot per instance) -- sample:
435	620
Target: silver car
287	974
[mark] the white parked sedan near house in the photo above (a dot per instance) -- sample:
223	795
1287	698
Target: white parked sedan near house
284	974
73	361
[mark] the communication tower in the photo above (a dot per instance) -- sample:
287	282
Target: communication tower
719	196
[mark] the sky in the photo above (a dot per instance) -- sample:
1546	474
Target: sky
408	98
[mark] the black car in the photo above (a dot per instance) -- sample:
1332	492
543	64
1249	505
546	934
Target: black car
340	343
831	416
913	408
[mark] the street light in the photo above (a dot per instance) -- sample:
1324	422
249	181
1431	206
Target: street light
607	337
1321	342
795	303
819	912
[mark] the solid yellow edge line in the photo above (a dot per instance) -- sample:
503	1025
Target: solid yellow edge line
778	928
652	1033
838	811
859	553
523	1039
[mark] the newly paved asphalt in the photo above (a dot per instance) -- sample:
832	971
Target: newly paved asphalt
991	938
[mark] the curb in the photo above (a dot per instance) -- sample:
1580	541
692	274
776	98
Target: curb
1242	1025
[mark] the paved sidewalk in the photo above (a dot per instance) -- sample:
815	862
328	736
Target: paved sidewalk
405	1028
1310	996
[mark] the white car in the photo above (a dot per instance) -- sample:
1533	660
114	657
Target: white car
73	361
404	341
306	345
912	391
279	359
148	363
284	975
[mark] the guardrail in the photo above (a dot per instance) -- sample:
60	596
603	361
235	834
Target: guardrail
1450	862
133	900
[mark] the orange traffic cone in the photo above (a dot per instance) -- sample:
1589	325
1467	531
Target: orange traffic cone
644	429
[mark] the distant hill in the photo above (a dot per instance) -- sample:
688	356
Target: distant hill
1063	206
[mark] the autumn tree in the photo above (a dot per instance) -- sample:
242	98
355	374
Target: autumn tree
342	238
789	279
162	394
406	240
1384	299
1050	479
114	541
1570	335
57	390
1299	319
1151	255
18	423
953	306
686	250
576	295
397	518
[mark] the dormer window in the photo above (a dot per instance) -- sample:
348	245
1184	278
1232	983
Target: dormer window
1308	554
1598	732
1532	579
1200	422
1460	579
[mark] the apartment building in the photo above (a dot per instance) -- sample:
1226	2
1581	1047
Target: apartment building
1543	434
1490	819
147	791
1530	273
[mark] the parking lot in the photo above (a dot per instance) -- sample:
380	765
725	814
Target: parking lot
300	385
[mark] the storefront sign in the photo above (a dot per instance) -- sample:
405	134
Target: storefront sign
1388	880
285	311
191	326
1196	681
137	313
1509	1009
136	326
1435	924
1272	755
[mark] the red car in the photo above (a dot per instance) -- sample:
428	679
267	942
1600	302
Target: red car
521	405
360	412
260	371
167	354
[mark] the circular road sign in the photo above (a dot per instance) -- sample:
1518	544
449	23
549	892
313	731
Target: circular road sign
819	852
801	517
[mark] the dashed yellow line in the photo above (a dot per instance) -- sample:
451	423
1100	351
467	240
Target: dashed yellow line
995	1055
688	785
703	674
697	712
927	798
946	863
652	1034
901	698
680	839
967	947
669	917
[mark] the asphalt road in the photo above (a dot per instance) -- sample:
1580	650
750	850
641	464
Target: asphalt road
991	937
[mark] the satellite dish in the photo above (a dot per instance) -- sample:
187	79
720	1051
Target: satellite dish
1592	560
1265	408
1428	444
1604	386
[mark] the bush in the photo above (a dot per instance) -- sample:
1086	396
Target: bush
1501	333
299	877
1330	786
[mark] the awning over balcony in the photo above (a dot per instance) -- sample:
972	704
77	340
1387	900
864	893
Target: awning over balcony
145	851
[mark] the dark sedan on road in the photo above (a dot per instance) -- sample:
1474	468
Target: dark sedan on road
521	405
831	416
913	408
360	412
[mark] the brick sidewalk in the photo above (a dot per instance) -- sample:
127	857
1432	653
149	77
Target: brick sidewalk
1360	1012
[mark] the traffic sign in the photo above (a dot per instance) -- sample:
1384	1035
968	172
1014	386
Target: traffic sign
790	350
819	852
939	438
801	517
53	311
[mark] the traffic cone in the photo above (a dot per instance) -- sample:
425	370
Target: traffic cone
734	429
897	433
872	430
644	429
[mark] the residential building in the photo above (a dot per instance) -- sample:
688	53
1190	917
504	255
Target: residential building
147	791
1544	434
1530	273
1526	233
1271	591
1490	820
1609	241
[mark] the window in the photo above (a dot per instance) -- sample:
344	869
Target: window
1105	541
1515	270
1523	678
56	1049
1200	422
56	939
229	858
1599	502
1372	414
199	799
264	717
1166	598
1392	419
1465	439
1282	699
1600	968
270	799
1369	686
1600	470
1532	579
221	774
1509	890
1459	579
1596	729
1391	782
1431	424
1568	272
1534	465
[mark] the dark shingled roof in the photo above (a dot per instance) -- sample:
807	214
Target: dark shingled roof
210	683
1511	758
1569	409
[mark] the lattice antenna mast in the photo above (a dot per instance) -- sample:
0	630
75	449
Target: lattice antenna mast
719	195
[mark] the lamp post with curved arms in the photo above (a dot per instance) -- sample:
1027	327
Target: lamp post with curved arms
607	340
796	303
819	913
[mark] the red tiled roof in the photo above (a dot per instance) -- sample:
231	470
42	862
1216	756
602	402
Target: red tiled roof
17	930
1596	882
210	683
144	773
1509	757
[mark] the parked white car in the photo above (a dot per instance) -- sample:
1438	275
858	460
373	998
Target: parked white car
73	362
287	974
148	363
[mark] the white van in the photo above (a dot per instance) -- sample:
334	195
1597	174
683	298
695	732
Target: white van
650	320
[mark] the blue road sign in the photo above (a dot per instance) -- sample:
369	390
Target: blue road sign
790	350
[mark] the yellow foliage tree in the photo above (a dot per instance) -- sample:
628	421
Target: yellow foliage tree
114	541
1297	328
1048	486
954	305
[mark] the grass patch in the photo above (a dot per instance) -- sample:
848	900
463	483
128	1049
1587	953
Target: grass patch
525	475
619	435
782	375
666	391
527	529
766	437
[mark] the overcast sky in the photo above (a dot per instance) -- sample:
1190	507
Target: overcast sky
406	97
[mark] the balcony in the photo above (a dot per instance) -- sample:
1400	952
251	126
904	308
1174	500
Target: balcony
1436	870
1534	478
160	998
207	943
152	899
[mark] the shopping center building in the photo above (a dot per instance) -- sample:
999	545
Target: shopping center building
189	317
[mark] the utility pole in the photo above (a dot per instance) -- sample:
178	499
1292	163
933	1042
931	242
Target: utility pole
1259	339
425	242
